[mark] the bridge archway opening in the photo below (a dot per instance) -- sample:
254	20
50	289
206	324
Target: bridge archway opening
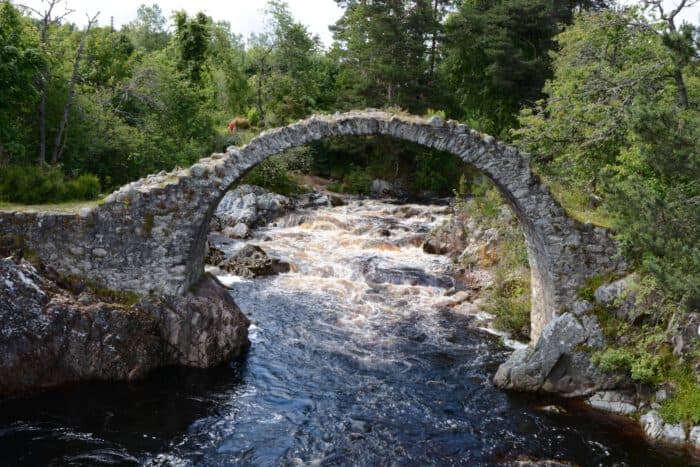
412	173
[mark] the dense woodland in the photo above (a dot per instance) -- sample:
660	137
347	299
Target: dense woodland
606	98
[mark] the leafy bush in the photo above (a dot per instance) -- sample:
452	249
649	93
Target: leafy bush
358	182
84	187
272	174
36	185
253	116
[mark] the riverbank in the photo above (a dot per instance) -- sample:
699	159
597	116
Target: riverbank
58	330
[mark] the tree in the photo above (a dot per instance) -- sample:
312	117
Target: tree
613	122
47	20
20	61
387	50
59	145
148	31
497	56
604	64
287	66
192	43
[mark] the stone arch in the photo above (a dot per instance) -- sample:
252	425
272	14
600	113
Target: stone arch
150	235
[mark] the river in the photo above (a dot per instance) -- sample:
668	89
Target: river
360	356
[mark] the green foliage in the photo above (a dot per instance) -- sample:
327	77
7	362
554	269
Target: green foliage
497	57
508	299
36	185
83	187
684	405
436	172
387	53
20	61
192	42
273	174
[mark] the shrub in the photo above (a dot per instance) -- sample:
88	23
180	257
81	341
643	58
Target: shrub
272	174
84	187
36	185
253	116
358	182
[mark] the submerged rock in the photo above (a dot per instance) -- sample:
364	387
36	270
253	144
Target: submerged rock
51	336
379	271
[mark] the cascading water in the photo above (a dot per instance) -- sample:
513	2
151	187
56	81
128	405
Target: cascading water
363	354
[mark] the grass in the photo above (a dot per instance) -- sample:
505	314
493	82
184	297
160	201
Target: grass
576	204
66	207
684	405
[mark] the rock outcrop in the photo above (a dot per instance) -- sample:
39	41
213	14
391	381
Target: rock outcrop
559	362
50	335
252	261
245	207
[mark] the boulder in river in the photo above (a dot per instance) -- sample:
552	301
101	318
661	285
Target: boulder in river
377	270
557	364
252	261
248	205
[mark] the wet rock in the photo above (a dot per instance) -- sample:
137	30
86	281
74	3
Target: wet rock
405	212
215	256
657	430
618	402
239	230
249	206
380	271
528	462
201	329
555	409
48	336
250	261
434	246
312	199
555	364
381	188
694	437
336	200
652	424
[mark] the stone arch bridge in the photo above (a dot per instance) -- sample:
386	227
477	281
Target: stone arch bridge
149	236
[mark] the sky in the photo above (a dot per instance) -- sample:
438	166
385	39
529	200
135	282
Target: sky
245	16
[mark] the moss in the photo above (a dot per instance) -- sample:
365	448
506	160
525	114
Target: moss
115	296
76	285
149	219
68	207
684	405
587	291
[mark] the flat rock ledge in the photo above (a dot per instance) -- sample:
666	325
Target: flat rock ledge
50	335
559	362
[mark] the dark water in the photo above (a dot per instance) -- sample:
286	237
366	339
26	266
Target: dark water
341	372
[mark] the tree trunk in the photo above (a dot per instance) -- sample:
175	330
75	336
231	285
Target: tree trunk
433	41
43	87
60	140
258	102
680	85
